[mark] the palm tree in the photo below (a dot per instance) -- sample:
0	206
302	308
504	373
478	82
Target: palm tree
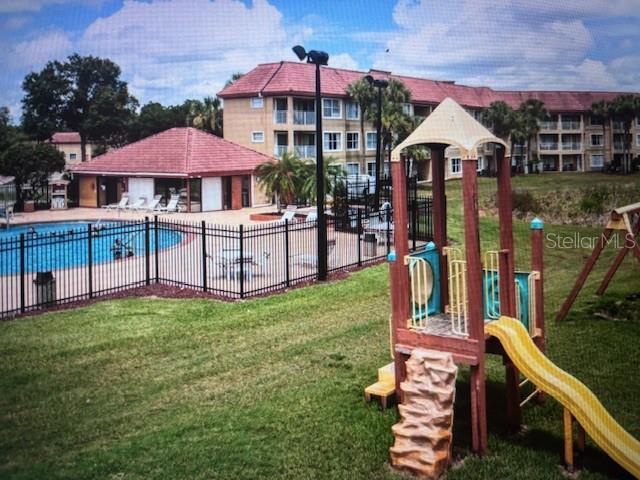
233	78
533	111
207	115
334	173
519	129
602	110
499	118
625	109
363	93
281	178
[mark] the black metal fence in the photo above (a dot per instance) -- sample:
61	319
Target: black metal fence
39	270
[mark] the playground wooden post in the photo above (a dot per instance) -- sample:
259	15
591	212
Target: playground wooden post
620	257
439	215
474	309
505	212
537	265
399	275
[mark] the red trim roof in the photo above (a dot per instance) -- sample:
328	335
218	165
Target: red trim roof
177	151
292	78
65	137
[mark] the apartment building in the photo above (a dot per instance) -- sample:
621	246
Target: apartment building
69	144
271	109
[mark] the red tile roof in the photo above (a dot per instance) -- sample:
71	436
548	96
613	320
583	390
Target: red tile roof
65	137
292	78
179	152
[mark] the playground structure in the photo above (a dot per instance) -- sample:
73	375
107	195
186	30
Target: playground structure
446	302
622	229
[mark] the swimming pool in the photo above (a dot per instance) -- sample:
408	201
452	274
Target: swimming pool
58	245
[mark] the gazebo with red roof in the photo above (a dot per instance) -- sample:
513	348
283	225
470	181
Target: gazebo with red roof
210	173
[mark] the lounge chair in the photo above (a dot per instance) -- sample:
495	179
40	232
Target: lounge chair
289	215
312	217
311	260
121	205
171	207
151	206
137	205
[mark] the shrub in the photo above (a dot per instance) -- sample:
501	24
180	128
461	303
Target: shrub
525	202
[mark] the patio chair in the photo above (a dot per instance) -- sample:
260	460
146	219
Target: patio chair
137	205
311	260
121	205
289	215
171	207
312	217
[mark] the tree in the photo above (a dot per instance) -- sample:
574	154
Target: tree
334	173
519	130
602	111
31	164
499	118
9	134
280	178
533	111
207	115
625	109
83	94
234	77
363	93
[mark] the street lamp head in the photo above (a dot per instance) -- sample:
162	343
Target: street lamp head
378	83
368	79
382	83
300	52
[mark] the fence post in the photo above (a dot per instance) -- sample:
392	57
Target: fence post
359	233
90	259
241	261
414	222
147	248
157	243
22	293
204	256
388	231
286	253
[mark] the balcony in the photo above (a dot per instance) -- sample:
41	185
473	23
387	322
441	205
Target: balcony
280	150
303	117
549	125
617	125
571	145
570	125
279	117
618	145
548	146
305	151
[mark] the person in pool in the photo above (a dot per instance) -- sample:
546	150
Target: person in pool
116	249
32	231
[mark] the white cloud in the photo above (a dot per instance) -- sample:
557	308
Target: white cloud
16	22
35	53
503	44
343	60
172	50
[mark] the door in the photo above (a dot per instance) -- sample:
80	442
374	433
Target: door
226	193
140	187
211	194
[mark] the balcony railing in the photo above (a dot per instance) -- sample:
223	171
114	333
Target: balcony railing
570	125
548	125
571	146
618	145
279	116
618	125
549	146
301	117
306	151
280	150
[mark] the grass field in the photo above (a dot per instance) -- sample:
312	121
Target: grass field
272	387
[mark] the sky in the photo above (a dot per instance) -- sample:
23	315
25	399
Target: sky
171	50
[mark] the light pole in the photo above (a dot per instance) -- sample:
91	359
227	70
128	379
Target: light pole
379	84
318	58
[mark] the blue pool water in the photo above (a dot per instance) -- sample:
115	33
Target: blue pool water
53	246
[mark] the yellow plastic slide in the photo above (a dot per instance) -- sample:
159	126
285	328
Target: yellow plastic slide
570	392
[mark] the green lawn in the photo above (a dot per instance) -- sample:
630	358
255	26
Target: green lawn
272	387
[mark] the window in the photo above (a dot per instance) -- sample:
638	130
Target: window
331	108
407	109
72	156
353	111
596	140
480	165
353	141
257	102
597	160
595	120
638	139
371	169
456	165
332	141
353	168
257	137
371	140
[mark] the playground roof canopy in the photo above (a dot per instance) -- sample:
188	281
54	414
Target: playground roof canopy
450	124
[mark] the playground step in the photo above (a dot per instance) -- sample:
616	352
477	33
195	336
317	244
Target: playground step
382	390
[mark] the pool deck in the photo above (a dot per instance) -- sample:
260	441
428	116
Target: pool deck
226	217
